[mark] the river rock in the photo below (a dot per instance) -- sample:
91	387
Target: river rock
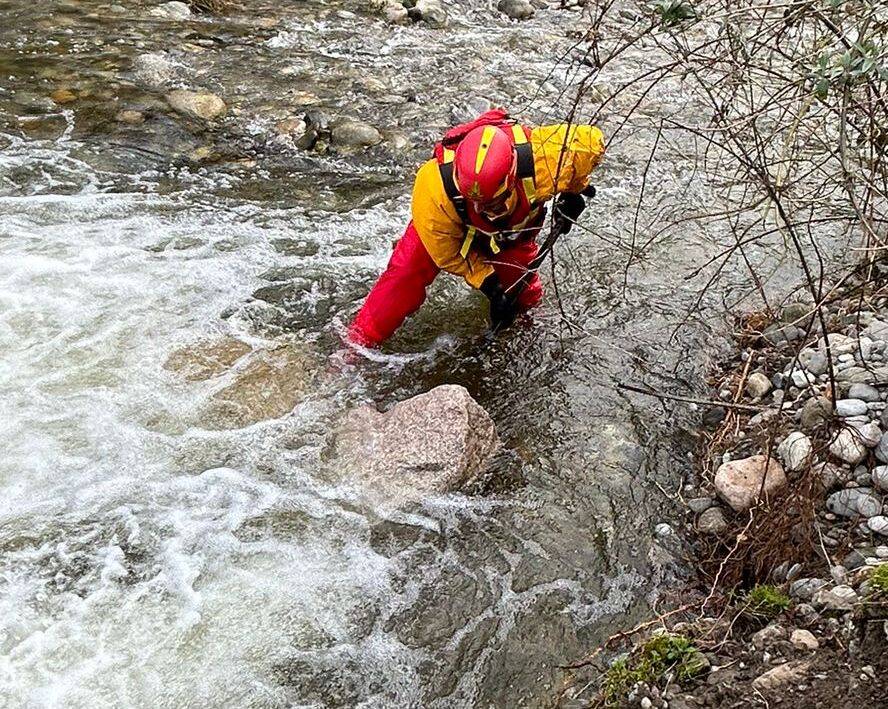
778	334
430	12
355	133
153	70
813	360
853	502
878	524
831	476
768	635
802	379
268	387
840	598
130	117
712	521
516	9
196	104
815	412
429	444
882	449
757	385
805	588
171	11
850	407
854	374
848	446
700	504
880	477
869	432
803	640
393	12
795	451
738	482
876	330
782	675
207	358
864	392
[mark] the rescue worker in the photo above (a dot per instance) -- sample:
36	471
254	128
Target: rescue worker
478	205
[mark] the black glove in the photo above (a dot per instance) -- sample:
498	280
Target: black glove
502	310
568	208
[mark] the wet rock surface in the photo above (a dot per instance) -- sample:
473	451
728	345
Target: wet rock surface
741	483
430	444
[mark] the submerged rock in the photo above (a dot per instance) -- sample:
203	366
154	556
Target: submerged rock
739	482
268	387
196	104
206	359
154	69
428	444
356	133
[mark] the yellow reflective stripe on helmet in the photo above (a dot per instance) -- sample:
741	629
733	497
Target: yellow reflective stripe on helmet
486	140
527	182
493	245
467	242
449	155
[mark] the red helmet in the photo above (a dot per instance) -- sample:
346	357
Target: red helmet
484	164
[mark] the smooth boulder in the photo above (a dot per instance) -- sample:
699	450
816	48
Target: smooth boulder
355	133
795	451
740	482
173	10
429	444
196	104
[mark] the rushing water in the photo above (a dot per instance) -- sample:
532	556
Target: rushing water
165	540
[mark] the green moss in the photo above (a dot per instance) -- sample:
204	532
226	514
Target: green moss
650	663
879	578
765	601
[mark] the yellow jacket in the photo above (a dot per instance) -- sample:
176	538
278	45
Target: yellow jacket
569	154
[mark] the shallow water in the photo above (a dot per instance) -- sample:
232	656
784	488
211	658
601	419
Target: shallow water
161	548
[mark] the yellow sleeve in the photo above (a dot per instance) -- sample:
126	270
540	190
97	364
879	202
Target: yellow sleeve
563	157
441	230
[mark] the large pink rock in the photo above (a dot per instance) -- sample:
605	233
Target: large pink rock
431	443
739	482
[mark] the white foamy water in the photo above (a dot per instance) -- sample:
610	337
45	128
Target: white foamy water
126	578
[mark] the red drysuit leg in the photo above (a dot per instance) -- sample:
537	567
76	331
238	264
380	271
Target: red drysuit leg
511	264
400	290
